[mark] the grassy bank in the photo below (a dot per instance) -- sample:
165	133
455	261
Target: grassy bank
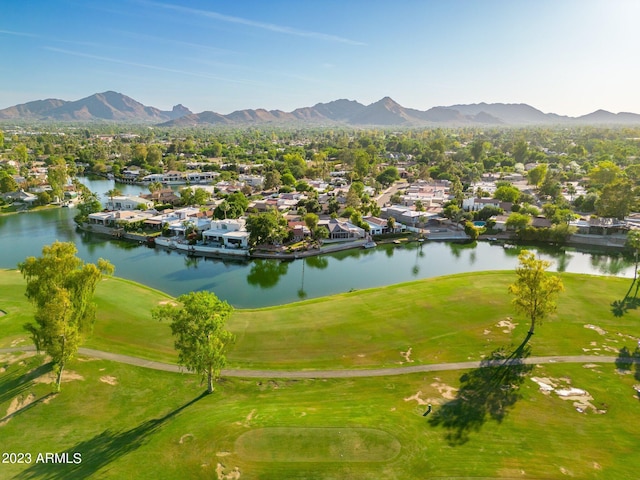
446	319
128	422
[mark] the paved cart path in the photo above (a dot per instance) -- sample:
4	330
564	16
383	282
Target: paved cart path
347	373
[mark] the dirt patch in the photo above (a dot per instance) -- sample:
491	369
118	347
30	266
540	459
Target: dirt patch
17	342
447	391
10	358
582	400
596	328
223	454
17	404
247	421
109	379
185	437
417	398
407	356
222	475
507	325
67	376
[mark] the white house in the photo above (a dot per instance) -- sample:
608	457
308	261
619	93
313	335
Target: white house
229	232
128	202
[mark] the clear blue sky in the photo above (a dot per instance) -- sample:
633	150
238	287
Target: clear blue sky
569	57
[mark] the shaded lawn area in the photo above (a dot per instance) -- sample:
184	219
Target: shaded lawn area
158	424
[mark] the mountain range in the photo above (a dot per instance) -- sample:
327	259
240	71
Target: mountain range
116	107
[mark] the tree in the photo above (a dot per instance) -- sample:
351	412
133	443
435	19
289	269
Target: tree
90	204
267	227
57	177
388	176
471	231
198	325
616	200
7	183
535	291
517	221
61	286
200	196
536	175
507	193
272	180
311	221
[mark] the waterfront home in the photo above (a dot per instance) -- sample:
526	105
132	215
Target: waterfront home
128	202
119	218
20	196
299	230
342	230
409	216
230	233
380	226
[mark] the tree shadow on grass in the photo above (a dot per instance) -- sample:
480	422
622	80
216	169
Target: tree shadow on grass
628	302
100	450
18	379
487	392
628	360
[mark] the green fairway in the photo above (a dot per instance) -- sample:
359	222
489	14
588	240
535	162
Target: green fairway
448	319
130	422
127	422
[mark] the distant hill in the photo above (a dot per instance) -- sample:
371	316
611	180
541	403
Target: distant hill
111	106
116	107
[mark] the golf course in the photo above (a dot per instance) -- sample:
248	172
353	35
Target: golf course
335	388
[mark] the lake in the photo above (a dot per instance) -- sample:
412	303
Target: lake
257	283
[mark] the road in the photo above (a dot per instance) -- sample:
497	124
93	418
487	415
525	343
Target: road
348	373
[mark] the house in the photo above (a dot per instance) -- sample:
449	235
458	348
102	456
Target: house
128	202
409	216
342	230
255	181
299	229
228	232
477	204
20	196
380	226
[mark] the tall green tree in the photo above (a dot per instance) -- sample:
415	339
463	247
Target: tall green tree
198	325
61	286
535	291
617	199
267	227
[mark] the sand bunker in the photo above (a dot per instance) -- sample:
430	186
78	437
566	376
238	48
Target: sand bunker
447	391
406	355
561	387
167	302
417	398
2	313
507	324
109	379
232	475
185	437
17	404
67	376
596	328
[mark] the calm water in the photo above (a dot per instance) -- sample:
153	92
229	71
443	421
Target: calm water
268	282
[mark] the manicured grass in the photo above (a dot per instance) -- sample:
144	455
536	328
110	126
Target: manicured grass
129	422
154	425
444	319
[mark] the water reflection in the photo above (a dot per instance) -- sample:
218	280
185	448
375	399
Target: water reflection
267	273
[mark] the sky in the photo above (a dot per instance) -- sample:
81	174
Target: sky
569	57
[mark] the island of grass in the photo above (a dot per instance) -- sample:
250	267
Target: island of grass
133	422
